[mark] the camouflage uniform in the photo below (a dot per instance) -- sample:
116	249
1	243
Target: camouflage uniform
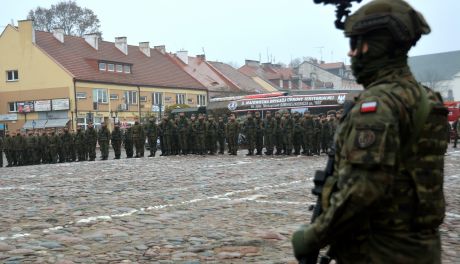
221	135
200	133
128	142
308	132
43	143
67	142
211	135
54	143
91	141
298	131
138	139
287	125
317	136
325	135
80	144
232	130
152	136
259	140
279	140
384	202
269	133
7	147
115	139
31	146
19	147
183	128
167	127
249	130
192	135
103	138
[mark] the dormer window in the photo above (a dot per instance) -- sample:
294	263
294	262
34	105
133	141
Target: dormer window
114	67
102	66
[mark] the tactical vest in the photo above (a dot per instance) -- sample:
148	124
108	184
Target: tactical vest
422	159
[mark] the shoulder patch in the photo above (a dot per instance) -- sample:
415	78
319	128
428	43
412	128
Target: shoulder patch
368	107
365	138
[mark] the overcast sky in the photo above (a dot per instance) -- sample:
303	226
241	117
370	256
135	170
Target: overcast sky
235	30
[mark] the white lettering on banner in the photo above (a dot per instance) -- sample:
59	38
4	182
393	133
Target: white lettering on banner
286	99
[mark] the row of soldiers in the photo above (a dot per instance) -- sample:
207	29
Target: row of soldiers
281	134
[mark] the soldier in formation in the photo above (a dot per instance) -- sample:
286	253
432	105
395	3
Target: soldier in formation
179	135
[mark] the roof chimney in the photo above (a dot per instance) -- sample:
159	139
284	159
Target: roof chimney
58	33
252	63
161	48
202	57
92	39
26	30
122	44
183	56
144	47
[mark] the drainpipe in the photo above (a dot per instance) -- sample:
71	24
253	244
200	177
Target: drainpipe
139	102
75	101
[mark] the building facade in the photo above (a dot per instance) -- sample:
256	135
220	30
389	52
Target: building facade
53	80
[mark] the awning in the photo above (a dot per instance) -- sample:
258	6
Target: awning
35	124
57	122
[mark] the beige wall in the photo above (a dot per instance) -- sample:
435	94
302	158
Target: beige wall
86	105
39	76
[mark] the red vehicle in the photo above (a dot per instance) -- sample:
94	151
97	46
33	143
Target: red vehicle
454	110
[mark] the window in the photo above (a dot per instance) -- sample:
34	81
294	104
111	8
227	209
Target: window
119	68
102	66
81	95
12	76
143	98
157	98
100	96
201	100
127	69
114	97
13	107
180	98
111	67
131	97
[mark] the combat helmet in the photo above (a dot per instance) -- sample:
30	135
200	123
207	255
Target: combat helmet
405	24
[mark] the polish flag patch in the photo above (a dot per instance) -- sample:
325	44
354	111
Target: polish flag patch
368	107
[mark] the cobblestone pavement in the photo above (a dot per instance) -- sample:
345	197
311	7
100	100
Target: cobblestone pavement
215	209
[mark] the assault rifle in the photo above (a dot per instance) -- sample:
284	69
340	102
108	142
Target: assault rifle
342	12
319	180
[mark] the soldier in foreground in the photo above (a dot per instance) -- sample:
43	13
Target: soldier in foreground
384	201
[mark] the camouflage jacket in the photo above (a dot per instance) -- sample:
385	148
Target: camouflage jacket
386	195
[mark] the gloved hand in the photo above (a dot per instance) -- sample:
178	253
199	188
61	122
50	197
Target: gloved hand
304	241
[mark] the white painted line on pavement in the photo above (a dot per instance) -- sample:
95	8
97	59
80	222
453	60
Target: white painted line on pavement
224	196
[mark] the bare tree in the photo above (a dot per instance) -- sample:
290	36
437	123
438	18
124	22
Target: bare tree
67	15
295	63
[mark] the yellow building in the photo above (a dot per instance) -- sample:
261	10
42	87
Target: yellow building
54	80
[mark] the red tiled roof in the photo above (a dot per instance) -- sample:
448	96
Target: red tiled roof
334	65
202	72
81	60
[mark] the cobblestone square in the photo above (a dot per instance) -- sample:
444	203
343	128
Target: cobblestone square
180	209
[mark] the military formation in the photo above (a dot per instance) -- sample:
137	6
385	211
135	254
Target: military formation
280	133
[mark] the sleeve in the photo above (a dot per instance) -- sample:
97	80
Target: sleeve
368	148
